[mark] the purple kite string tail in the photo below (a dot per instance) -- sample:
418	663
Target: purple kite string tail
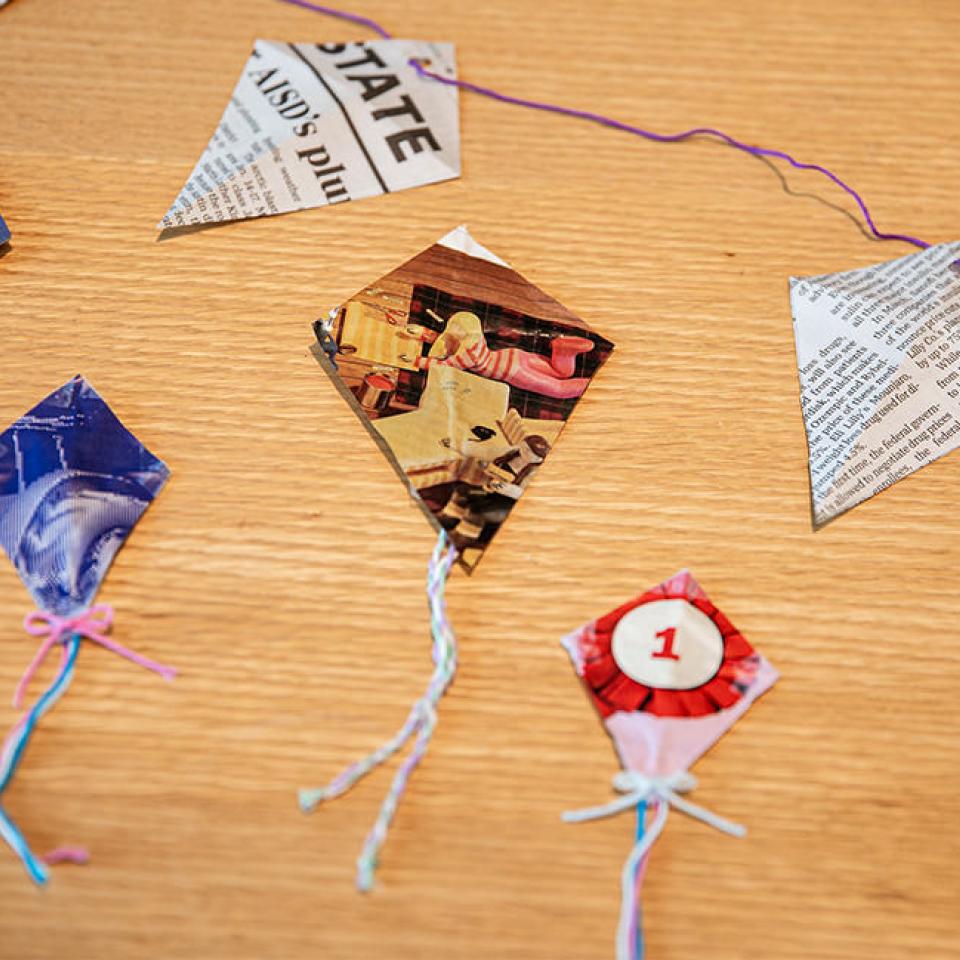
619	125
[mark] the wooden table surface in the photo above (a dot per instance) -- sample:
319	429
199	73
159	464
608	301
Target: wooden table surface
281	569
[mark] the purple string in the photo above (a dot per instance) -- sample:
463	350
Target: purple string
617	124
343	15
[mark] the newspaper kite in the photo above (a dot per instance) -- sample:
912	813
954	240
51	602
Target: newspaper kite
669	675
465	374
311	125
878	351
73	483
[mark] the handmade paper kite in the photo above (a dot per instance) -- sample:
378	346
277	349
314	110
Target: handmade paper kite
669	675
73	482
465	374
315	124
878	350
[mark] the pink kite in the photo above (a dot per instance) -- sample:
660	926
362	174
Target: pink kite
669	674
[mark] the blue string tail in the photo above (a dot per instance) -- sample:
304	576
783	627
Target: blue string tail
11	760
641	829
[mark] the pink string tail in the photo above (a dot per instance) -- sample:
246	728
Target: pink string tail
68	633
34	665
66	855
12	737
605	121
91	624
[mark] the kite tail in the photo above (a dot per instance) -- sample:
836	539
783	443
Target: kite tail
641	792
13	750
67	633
605	121
420	722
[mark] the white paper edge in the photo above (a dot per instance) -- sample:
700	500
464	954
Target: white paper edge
459	239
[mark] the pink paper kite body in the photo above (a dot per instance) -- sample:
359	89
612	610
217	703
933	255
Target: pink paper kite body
669	675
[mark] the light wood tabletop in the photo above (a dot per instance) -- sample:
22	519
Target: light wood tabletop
282	568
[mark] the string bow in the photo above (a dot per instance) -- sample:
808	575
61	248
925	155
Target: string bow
638	788
68	633
91	624
664	792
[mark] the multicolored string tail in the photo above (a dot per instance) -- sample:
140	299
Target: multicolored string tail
619	125
420	723
12	753
662	793
68	632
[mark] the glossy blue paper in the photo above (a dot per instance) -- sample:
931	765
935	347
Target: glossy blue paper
73	483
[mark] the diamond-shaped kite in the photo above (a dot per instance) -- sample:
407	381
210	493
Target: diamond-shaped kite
73	483
465	374
669	674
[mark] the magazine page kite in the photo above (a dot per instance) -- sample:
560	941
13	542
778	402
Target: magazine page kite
878	352
669	675
73	483
465	373
314	124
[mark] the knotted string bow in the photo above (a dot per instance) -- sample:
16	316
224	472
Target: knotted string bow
91	624
664	793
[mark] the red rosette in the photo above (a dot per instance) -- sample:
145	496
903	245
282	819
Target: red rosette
613	690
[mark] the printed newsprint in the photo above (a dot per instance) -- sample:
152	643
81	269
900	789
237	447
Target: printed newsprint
879	356
315	124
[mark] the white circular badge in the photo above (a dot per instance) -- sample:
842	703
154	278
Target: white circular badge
668	644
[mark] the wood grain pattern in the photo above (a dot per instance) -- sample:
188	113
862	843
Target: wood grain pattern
273	573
